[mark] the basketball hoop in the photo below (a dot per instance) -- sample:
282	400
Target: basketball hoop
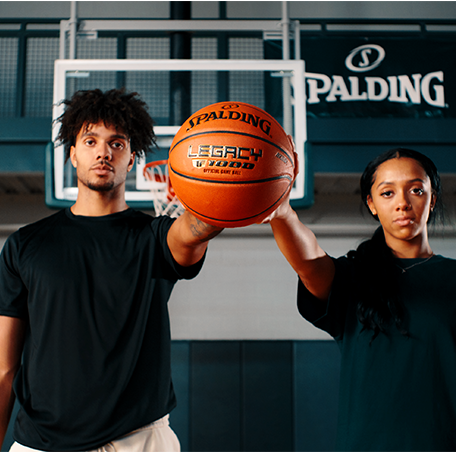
164	199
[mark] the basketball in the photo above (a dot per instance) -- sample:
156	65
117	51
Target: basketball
231	164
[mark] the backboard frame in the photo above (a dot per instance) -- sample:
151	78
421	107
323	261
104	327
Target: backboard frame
57	196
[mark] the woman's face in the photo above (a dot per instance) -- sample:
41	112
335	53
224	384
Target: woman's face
402	198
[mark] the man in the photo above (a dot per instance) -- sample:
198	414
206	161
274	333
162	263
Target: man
83	297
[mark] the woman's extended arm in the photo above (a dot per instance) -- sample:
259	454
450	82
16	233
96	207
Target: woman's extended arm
300	247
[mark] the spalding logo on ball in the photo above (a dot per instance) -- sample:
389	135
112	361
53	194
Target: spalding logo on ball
231	164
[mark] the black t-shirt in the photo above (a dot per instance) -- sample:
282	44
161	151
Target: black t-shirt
96	361
397	393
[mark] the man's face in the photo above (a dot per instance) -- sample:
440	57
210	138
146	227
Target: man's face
102	157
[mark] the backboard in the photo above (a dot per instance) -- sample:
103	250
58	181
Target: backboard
277	86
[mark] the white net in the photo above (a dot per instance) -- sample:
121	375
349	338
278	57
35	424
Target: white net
164	199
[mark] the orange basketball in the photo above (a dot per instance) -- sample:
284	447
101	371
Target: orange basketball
231	164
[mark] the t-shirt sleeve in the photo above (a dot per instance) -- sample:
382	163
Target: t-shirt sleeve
13	292
160	227
329	315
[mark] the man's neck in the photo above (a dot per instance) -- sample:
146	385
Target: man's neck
97	204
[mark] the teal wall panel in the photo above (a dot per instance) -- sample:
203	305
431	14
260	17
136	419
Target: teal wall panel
346	145
215	413
179	417
22	144
316	365
267	396
253	396
21	158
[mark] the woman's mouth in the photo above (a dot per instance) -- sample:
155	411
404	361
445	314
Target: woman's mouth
404	221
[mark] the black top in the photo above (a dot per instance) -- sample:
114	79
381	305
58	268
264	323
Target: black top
397	393
96	361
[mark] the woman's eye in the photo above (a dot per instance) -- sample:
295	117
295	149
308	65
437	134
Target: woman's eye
417	191
387	193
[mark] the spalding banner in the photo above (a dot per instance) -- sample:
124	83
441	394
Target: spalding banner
387	77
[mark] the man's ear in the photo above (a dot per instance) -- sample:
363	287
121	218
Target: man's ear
132	161
73	156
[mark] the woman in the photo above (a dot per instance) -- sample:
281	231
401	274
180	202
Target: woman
390	305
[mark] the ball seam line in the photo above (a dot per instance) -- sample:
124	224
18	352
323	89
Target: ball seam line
233	133
218	220
240	182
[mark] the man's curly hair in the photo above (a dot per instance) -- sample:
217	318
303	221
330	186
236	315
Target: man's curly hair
124	111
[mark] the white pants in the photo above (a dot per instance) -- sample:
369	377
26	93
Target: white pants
155	437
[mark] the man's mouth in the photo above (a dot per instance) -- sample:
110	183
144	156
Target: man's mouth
103	168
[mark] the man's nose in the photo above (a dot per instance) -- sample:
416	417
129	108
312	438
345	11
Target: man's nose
104	152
